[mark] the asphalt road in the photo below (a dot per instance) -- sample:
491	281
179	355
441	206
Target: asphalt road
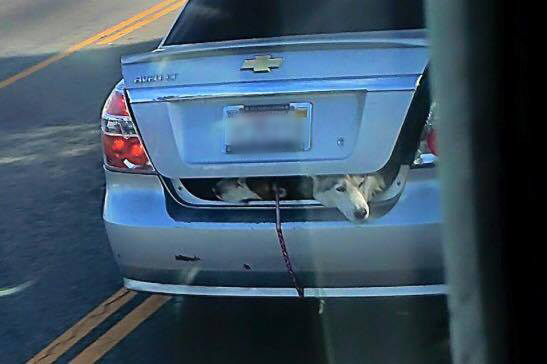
53	243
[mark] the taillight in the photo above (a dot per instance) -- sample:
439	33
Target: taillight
428	150
116	105
122	146
431	140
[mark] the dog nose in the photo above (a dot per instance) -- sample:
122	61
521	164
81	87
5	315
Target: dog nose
360	214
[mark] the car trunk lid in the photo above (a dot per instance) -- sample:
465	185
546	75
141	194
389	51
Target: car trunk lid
358	87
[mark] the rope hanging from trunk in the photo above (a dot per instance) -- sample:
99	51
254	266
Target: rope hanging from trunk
282	244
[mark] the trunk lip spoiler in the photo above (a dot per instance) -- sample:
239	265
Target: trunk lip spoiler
385	38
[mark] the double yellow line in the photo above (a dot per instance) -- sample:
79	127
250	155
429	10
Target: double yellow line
105	37
109	339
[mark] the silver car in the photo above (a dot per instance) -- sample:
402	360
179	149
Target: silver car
356	73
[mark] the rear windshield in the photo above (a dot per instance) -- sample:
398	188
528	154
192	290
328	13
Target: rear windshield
219	20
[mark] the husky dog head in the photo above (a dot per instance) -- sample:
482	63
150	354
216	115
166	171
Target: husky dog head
343	193
234	190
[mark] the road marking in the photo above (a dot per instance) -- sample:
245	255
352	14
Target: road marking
91	40
113	336
70	337
6	291
142	23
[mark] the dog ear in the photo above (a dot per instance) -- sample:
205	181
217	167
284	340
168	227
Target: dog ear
381	182
358	179
241	181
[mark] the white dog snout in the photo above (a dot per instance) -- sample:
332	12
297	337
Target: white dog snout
361	213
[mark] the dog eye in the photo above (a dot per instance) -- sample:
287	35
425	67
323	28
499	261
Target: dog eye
341	188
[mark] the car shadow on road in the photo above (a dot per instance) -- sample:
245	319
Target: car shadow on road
266	330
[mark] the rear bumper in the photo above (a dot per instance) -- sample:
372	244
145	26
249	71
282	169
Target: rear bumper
229	253
427	290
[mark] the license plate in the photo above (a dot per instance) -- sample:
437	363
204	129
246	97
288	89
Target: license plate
267	128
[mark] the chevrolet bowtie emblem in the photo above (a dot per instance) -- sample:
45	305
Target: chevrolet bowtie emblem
261	64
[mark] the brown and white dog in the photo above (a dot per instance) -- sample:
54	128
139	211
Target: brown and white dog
350	194
243	190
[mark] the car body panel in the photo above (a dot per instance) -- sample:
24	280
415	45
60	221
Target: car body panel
373	54
401	248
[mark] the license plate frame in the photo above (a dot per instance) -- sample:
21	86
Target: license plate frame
300	112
